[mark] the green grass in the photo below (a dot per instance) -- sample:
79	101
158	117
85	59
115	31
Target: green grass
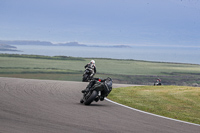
132	67
122	71
178	102
17	62
106	66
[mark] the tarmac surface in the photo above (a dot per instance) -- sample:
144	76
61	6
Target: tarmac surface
48	106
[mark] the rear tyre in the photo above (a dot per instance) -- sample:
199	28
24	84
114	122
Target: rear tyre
91	98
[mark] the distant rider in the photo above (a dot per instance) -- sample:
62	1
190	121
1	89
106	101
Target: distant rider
92	68
158	82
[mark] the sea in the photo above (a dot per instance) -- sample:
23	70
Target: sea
189	55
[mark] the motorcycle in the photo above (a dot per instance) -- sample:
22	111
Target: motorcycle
99	89
157	83
86	75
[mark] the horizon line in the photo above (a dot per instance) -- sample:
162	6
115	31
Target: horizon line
112	44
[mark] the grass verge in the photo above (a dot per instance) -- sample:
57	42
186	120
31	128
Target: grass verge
121	71
178	102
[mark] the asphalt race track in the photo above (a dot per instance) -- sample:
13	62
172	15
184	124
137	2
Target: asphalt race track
47	106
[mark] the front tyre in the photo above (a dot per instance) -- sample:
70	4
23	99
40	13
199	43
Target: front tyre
85	78
91	98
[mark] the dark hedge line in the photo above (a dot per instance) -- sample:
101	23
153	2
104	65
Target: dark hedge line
43	57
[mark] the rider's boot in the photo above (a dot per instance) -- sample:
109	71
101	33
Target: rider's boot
101	98
91	76
96	99
86	90
88	87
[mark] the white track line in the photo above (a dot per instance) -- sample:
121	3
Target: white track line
151	113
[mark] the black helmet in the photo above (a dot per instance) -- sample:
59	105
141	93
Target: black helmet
109	83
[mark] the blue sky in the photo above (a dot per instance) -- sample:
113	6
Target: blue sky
129	22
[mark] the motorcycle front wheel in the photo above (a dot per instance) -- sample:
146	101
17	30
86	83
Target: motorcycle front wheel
91	98
85	78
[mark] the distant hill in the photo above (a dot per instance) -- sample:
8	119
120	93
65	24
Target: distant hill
41	43
46	43
19	42
69	44
6	47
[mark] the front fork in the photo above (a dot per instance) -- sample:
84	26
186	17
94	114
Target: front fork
99	93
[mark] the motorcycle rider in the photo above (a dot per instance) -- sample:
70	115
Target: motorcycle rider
93	82
92	67
158	82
